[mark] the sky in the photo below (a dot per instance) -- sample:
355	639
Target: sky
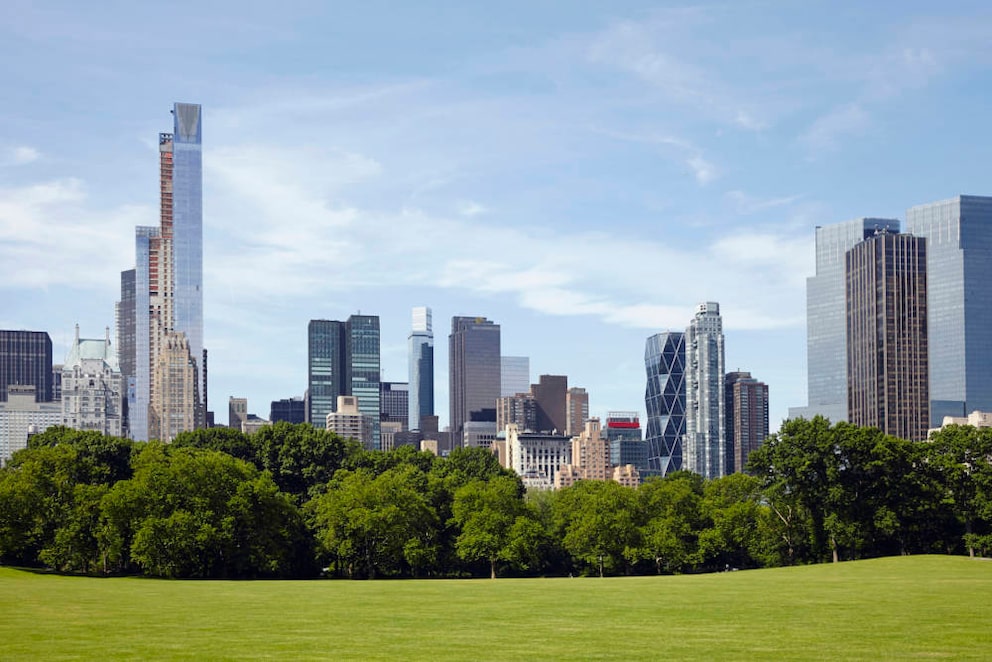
582	173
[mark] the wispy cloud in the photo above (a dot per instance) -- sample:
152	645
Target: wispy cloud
19	155
748	204
826	133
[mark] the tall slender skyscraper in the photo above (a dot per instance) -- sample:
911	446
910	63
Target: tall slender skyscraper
887	335
168	284
826	318
474	367
959	302
664	399
704	449
421	374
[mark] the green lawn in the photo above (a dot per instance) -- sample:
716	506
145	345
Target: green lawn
896	608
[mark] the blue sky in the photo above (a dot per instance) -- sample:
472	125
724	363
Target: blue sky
583	173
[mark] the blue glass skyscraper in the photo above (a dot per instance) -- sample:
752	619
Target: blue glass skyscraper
187	235
421	375
959	302
664	399
325	369
363	369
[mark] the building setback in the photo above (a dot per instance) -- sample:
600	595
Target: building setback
887	335
474	374
959	302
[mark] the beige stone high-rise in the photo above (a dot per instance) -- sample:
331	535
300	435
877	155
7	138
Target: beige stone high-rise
887	355
173	403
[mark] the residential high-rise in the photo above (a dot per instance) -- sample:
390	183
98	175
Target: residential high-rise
514	375
826	318
704	449
887	335
289	410
237	412
549	394
26	360
590	456
168	280
959	302
173	405
92	387
394	399
519	409
126	343
21	415
577	409
747	417
326	356
474	373
363	369
349	421
664	400
421	372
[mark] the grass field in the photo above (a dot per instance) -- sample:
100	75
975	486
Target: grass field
896	608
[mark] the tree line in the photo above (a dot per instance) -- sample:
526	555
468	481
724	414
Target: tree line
292	501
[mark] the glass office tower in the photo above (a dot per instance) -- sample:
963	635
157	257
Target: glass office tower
421	367
664	399
325	369
363	370
826	318
474	366
959	302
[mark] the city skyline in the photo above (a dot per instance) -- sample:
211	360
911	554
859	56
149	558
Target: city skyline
584	176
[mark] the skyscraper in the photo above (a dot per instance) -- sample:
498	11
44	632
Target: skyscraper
168	282
514	375
364	369
623	432
826	315
126	347
394	398
887	335
577	406
421	372
664	399
289	410
92	387
237	412
326	355
959	302
474	369
343	359
747	417
550	395
26	360
704	449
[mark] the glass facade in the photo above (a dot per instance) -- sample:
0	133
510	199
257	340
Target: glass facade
959	302
363	365
514	375
474	370
26	360
395	401
826	317
140	398
704	446
421	368
325	369
664	400
290	410
187	233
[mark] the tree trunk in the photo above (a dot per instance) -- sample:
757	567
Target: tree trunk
833	547
492	568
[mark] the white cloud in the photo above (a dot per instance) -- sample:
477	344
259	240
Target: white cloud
23	154
470	208
748	204
826	132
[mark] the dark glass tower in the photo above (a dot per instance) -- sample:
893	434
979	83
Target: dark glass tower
26	360
887	335
325	369
363	369
474	367
664	399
